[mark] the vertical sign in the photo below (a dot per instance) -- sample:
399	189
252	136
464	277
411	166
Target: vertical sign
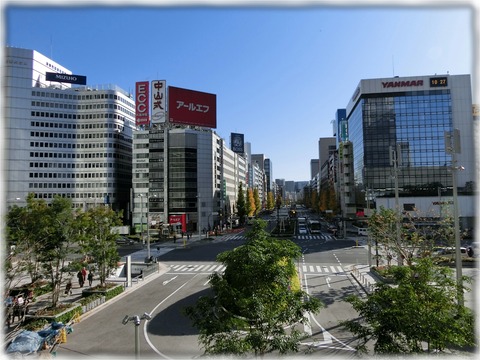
141	103
159	100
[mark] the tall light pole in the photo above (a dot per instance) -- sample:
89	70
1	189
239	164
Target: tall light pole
148	226
141	215
452	146
136	320
199	217
396	160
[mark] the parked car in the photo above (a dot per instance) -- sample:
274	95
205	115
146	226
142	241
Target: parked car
123	240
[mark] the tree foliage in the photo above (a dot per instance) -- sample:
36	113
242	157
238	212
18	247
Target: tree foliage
251	209
413	239
258	202
420	313
253	302
50	238
45	236
241	206
270	201
98	242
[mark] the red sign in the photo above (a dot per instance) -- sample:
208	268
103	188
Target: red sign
141	103
192	107
182	219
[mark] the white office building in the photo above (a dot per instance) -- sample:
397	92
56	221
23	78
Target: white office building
64	139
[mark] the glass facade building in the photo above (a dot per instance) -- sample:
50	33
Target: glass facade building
409	117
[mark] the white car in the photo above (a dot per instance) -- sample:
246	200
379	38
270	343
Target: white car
302	230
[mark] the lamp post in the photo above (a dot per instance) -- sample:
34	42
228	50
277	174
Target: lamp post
396	160
136	320
199	217
452	146
141	216
148	227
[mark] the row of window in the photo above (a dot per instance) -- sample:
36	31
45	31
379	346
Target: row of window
78	175
91	198
59	115
95	125
69	96
80	136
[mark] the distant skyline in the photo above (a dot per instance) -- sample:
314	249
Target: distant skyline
279	72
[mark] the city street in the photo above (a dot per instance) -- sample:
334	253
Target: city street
169	333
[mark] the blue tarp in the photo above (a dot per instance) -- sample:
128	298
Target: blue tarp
26	342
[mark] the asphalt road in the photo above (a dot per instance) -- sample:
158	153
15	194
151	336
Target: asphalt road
169	333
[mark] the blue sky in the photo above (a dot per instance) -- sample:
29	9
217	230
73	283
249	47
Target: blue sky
279	72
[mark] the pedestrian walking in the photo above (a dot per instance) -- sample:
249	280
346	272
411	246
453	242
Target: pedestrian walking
81	281
68	288
84	274
174	238
90	278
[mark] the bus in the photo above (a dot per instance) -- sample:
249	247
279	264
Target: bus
314	226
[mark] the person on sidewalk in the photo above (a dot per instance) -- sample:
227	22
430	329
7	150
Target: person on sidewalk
90	278
84	274
80	278
68	288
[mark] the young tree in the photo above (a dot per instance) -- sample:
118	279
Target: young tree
98	241
244	316
241	207
25	231
45	236
250	203
420	310
270	201
258	203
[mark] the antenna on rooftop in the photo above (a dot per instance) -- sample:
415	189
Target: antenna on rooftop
393	65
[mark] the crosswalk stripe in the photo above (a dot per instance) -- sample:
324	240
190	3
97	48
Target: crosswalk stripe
319	268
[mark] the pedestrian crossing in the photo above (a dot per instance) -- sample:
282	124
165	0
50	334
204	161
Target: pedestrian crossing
317	237
323	237
197	268
220	268
323	269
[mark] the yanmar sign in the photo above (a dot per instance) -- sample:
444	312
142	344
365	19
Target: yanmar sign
401	83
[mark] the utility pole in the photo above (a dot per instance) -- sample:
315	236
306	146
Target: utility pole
396	161
452	146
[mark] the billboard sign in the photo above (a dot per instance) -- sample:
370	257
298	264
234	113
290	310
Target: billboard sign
66	78
192	107
237	143
159	101
141	103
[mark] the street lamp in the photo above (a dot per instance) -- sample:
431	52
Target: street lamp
452	146
199	217
136	320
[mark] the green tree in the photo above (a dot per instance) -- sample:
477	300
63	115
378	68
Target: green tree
45	237
256	198
419	311
25	231
242	316
270	201
241	207
98	241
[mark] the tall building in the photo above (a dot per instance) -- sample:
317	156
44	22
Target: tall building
404	121
65	138
190	177
314	167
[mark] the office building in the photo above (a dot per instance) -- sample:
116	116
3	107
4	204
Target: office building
184	179
397	129
65	138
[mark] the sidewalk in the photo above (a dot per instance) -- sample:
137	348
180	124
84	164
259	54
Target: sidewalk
44	300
